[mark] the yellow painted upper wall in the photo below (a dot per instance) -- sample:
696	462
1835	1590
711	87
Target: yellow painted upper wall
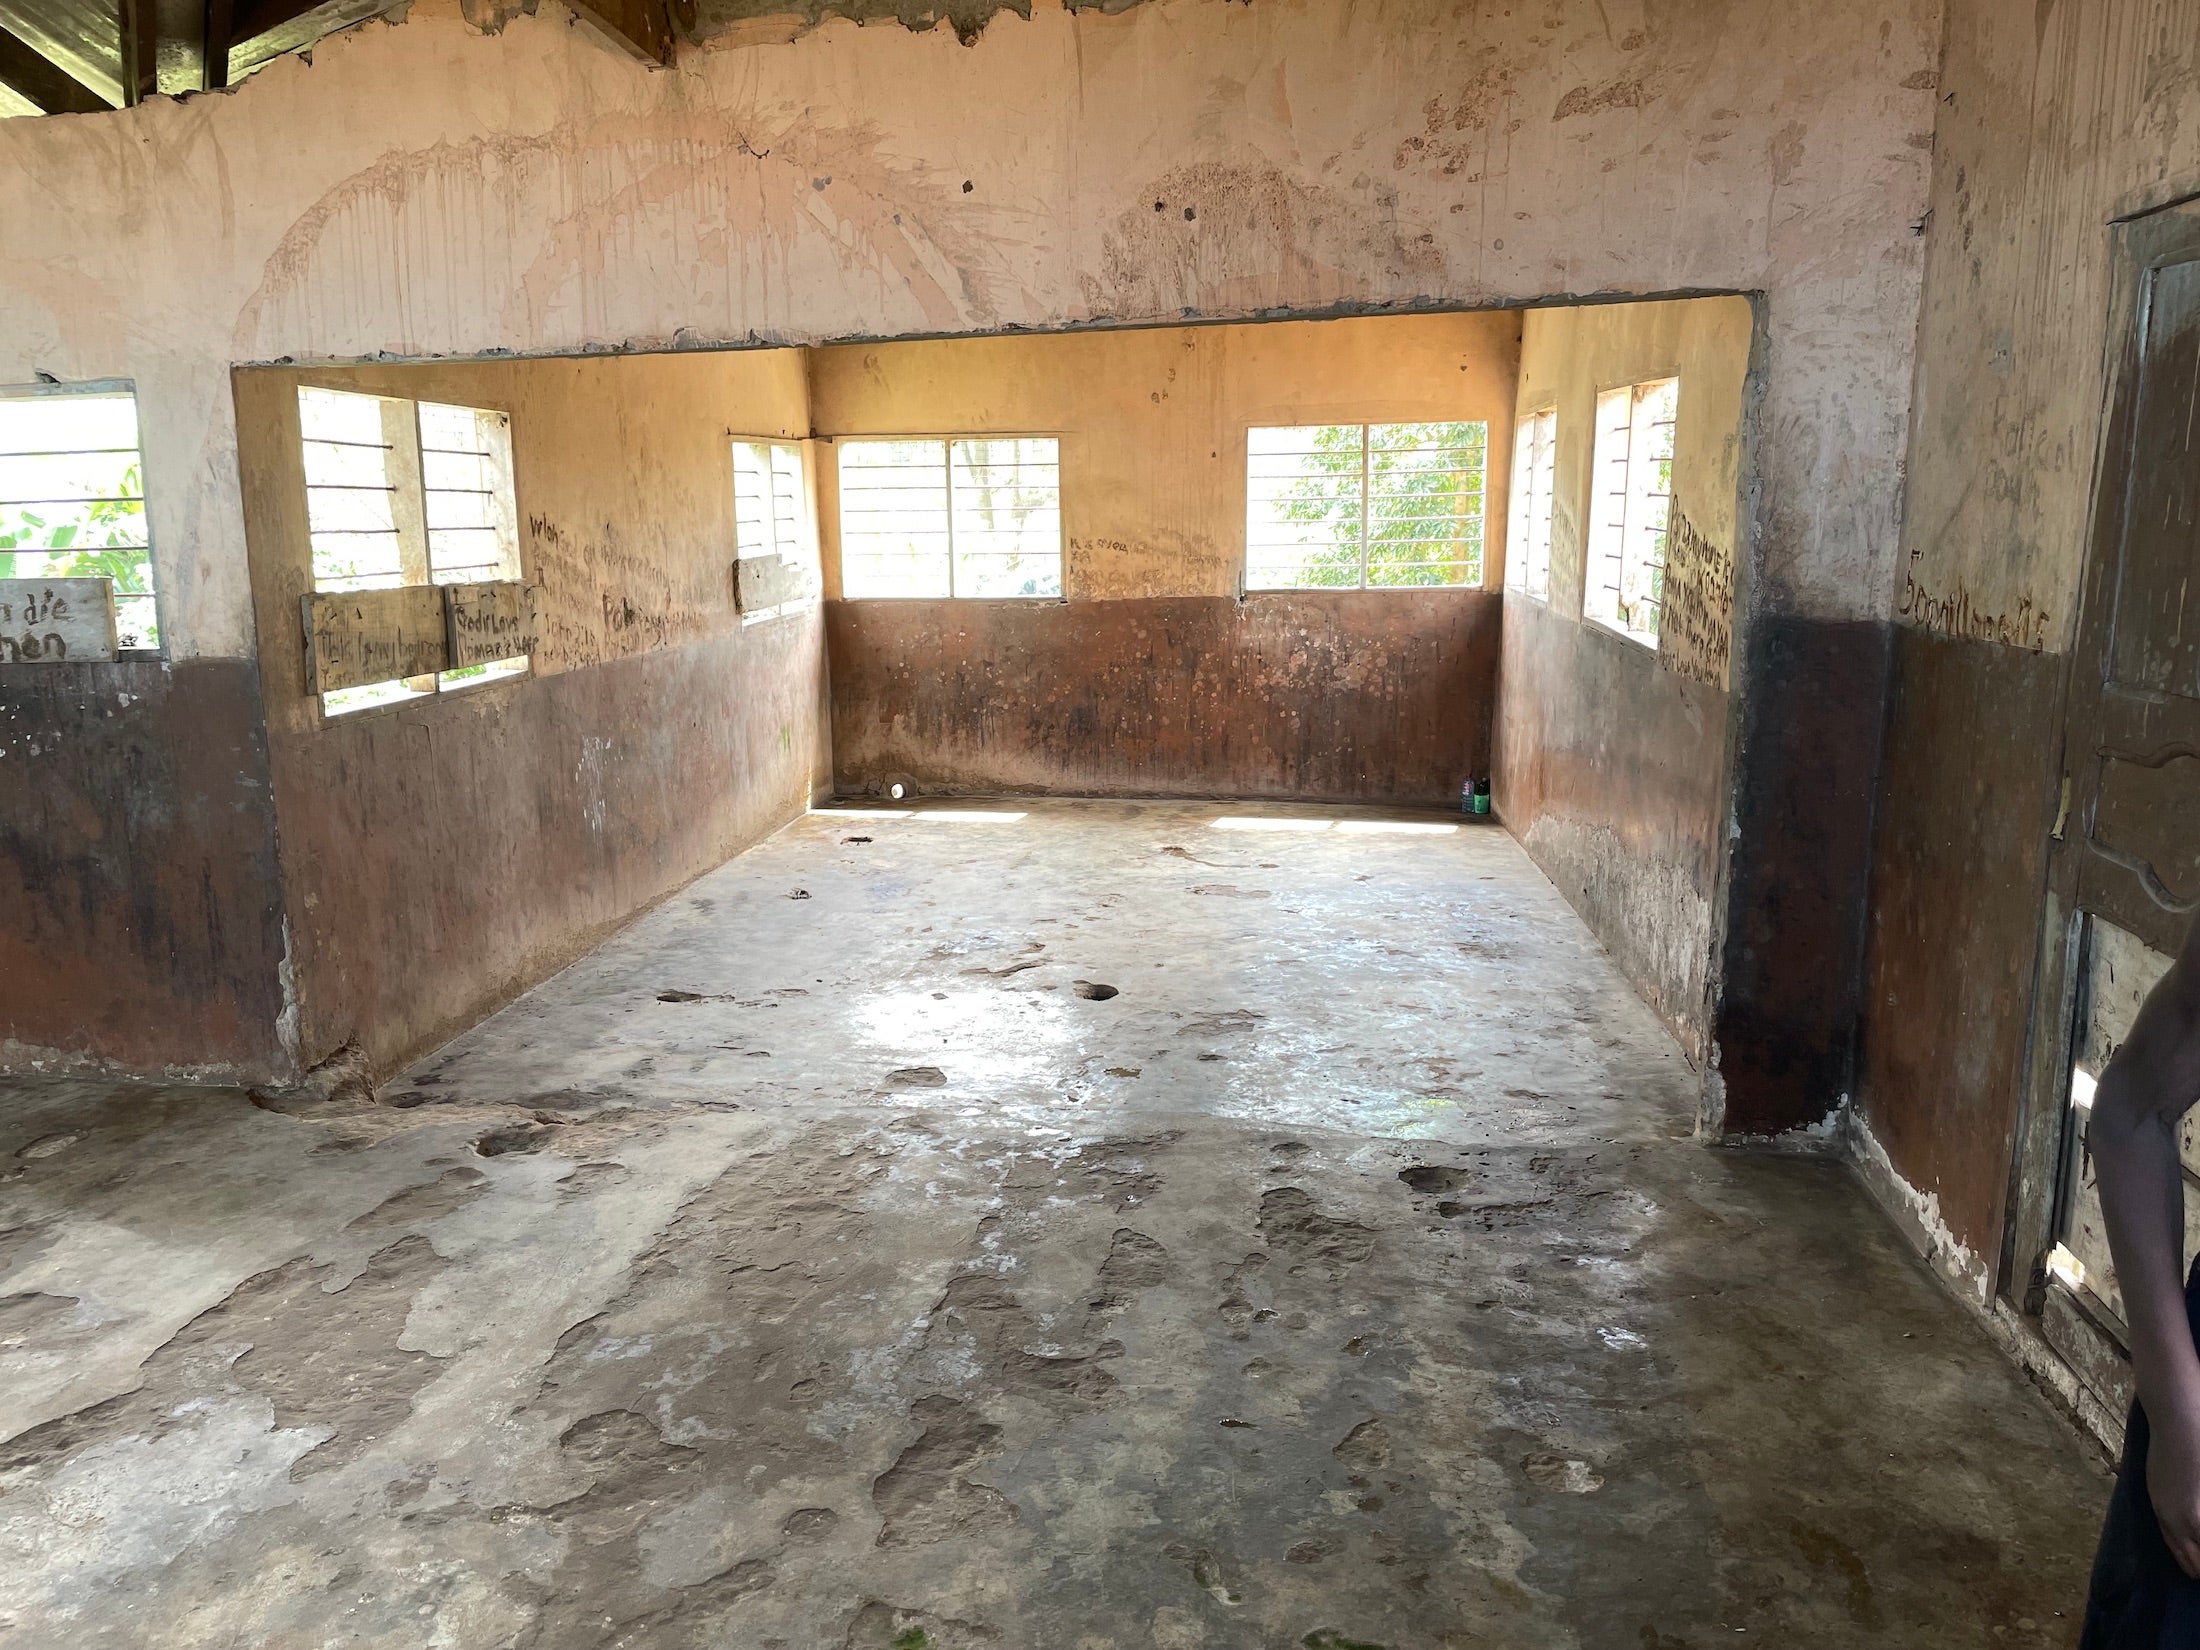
1153	423
623	476
1567	356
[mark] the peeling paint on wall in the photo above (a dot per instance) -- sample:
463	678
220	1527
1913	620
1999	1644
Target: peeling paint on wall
1918	1213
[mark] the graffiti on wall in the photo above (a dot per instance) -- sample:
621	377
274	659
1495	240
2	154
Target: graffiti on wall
1952	613
1696	617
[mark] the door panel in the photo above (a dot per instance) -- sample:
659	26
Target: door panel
2124	870
2144	823
2155	647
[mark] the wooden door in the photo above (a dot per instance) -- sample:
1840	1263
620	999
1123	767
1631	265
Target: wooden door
2124	870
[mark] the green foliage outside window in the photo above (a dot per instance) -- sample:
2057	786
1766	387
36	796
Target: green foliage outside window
1423	508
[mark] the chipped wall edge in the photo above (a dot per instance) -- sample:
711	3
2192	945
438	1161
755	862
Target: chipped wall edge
21	1059
1967	1277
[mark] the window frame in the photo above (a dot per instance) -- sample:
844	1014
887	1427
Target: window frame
405	472
807	537
947	443
1611	546
1478	578
1531	505
112	388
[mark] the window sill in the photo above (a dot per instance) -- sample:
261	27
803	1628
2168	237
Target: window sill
1650	643
1361	589
123	656
1021	601
421	701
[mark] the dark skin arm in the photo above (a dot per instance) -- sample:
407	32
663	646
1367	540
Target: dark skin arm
2144	1094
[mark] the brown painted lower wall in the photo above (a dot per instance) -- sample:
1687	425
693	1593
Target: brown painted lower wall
139	924
438	859
1352	696
1966	804
1608	771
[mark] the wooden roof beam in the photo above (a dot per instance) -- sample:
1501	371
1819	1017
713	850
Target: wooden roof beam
46	87
265	29
267	16
217	33
140	50
648	29
175	46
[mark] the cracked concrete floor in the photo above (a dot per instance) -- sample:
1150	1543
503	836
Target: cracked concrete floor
1080	1230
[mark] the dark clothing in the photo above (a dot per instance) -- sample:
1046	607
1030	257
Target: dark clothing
2140	1599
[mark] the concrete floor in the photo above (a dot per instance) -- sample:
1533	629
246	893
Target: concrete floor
834	1260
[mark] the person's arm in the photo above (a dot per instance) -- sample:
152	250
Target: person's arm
2145	1092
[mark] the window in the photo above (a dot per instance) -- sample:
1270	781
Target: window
768	503
465	483
408	492
72	497
1630	503
775	549
1363	506
1535	467
977	516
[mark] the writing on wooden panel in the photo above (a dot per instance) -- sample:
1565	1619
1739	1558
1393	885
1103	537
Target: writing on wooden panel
45	621
1696	612
354	637
489	621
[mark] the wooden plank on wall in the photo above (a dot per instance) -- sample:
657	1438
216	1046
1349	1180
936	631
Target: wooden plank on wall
761	582
354	637
49	620
1696	624
489	621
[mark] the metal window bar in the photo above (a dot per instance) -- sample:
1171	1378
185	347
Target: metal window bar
449	491
1652	409
1450	517
1029	471
1611	462
462	488
886	485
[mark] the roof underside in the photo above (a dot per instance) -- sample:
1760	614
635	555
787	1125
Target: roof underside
82	56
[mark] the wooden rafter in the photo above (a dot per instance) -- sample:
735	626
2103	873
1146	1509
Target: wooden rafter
47	88
175	46
154	47
643	27
264	29
214	42
265	17
140	50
